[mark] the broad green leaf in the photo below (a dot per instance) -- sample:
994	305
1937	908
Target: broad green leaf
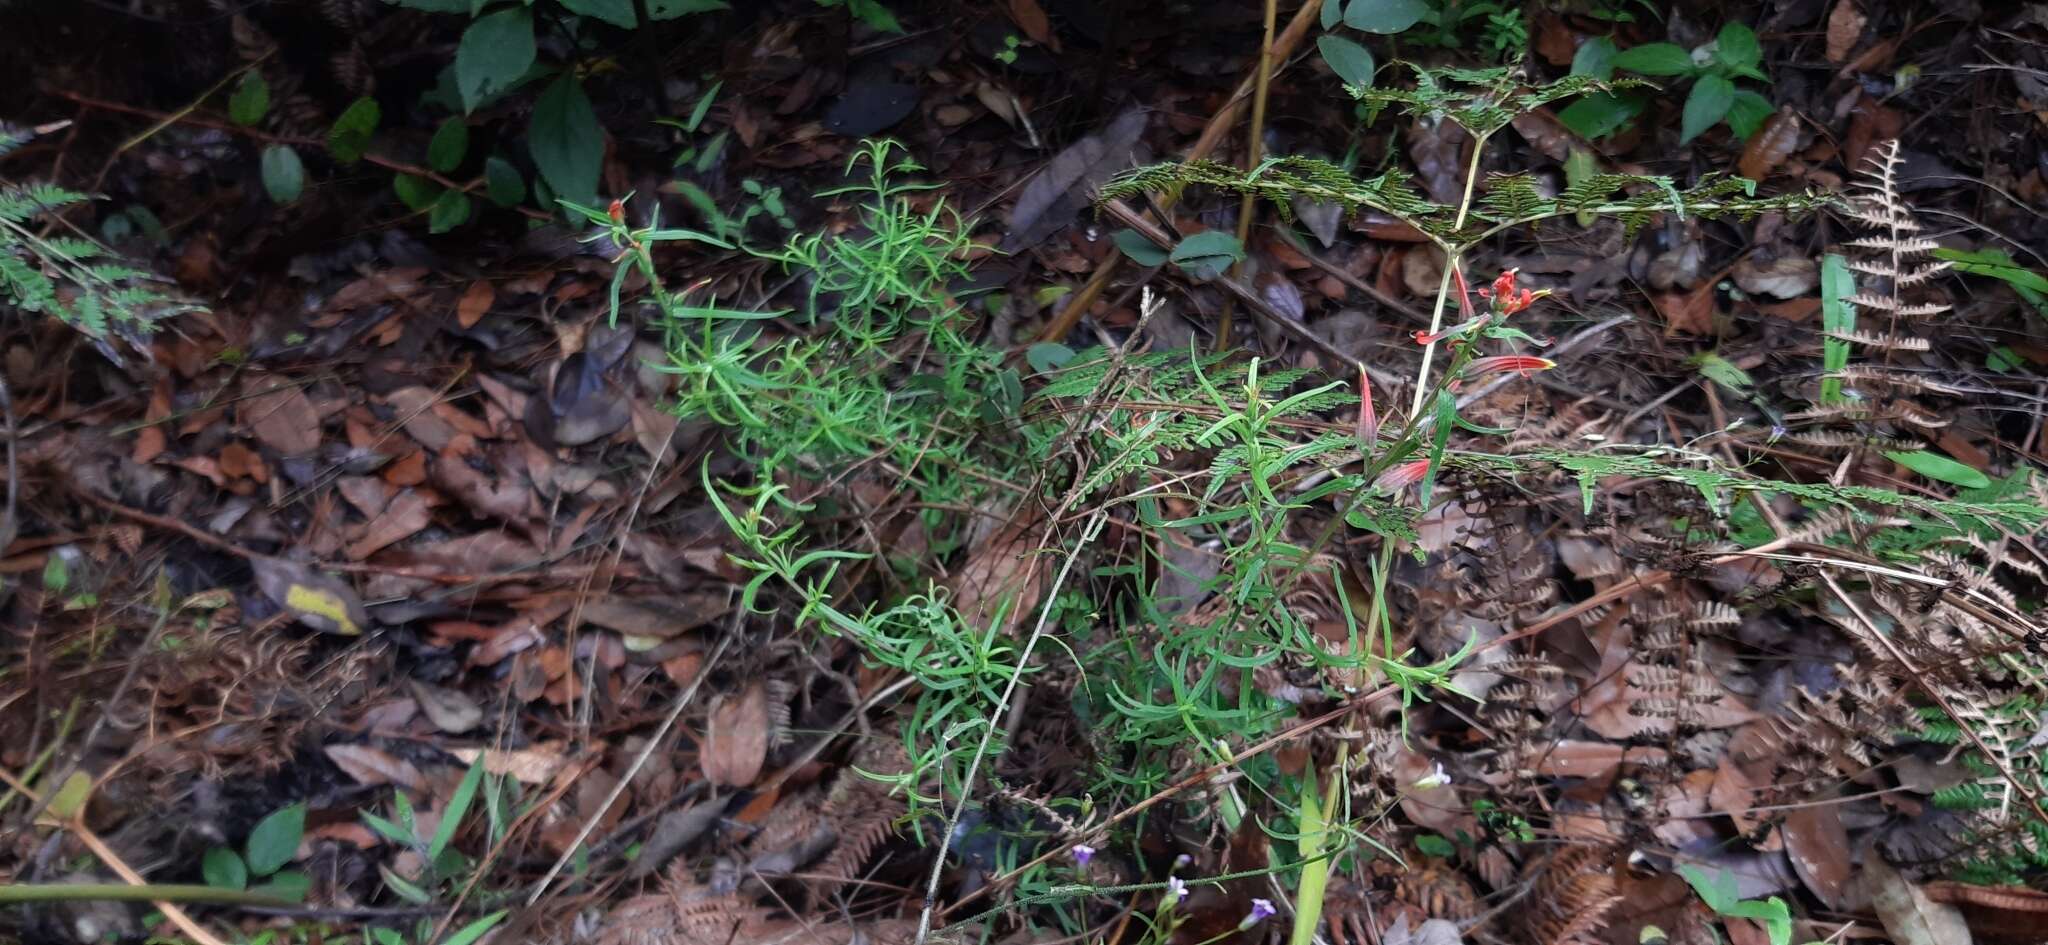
275	839
1384	16
56	579
284	176
1595	58
670	9
250	100
416	192
449	146
1717	889
1206	254
387	936
618	13
288	885
1332	13
1707	105
496	50
350	136
1939	468
450	210
1737	48
1048	356
1601	114
566	142
223	869
1656	59
875	15
1748	113
1352	63
1722	371
502	182
1138	248
1432	845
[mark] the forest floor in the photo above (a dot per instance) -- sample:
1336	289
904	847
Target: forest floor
830	471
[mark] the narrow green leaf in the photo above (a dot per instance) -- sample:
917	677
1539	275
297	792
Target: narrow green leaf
1939	468
1996	263
1384	16
1352	62
223	869
496	50
468	934
275	840
458	807
449	146
1708	104
1837	316
566	142
284	176
251	99
1656	59
350	136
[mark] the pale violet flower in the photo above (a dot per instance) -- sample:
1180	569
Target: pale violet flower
1434	779
1083	853
1261	908
1176	889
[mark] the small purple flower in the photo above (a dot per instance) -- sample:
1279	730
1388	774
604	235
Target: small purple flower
1083	853
1176	889
1183	861
1261	908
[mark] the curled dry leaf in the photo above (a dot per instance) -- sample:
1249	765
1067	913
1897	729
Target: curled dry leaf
318	601
451	710
736	740
372	766
1908	914
536	765
1771	145
1845	27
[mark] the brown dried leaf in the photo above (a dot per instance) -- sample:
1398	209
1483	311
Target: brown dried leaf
1771	145
653	619
736	740
279	414
1781	277
1003	575
1845	27
402	517
536	765
1439	156
475	301
1819	847
451	711
1689	312
1906	911
372	766
1031	18
318	601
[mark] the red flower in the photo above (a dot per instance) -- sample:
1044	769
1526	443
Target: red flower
1508	362
1507	300
617	211
1402	476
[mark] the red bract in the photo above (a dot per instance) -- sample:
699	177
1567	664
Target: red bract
1508	362
1402	476
1368	420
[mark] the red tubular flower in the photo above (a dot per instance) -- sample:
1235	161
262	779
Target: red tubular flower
1523	363
1402	476
617	211
1368	420
1504	286
1427	337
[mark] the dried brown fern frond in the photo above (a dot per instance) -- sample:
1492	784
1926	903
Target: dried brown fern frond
1575	891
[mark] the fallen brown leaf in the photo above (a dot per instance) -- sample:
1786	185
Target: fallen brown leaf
1771	145
452	711
1031	18
373	766
475	301
1819	847
402	517
736	739
1845	27
279	414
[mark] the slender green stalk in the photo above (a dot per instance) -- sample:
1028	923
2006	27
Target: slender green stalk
22	893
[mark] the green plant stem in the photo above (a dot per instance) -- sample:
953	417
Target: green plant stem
20	893
1254	152
1453	258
